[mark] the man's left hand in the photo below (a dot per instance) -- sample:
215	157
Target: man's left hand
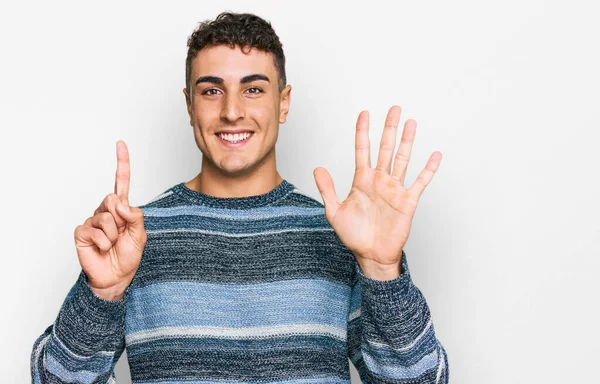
375	219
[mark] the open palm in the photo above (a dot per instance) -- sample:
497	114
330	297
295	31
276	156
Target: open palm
375	219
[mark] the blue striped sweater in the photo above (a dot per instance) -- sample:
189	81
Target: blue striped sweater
254	289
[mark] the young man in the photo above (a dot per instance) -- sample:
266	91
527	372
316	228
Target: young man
237	276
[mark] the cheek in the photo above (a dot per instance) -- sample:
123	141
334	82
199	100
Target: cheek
204	111
206	119
265	115
202	125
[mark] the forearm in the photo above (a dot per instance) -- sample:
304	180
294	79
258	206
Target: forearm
84	342
398	340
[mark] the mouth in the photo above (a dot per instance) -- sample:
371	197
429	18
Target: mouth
235	140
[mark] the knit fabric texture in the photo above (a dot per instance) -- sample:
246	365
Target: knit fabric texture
255	289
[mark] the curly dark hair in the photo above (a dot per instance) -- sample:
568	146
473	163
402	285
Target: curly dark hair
242	29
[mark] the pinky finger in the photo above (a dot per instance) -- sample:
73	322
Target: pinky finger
426	175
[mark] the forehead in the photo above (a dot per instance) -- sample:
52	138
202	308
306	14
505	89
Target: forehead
231	63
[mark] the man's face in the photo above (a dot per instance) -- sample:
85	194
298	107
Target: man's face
234	92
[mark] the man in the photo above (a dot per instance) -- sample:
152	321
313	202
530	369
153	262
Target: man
237	276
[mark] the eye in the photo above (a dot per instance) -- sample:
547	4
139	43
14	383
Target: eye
211	92
254	90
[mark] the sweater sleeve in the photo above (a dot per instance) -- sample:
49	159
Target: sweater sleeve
391	338
84	342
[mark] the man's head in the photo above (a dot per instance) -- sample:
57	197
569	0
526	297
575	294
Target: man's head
241	29
235	82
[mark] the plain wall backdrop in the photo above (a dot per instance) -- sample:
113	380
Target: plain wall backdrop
505	244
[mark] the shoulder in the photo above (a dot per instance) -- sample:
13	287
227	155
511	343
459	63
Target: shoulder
298	198
165	199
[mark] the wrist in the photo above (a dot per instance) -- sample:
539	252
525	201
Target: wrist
380	272
114	293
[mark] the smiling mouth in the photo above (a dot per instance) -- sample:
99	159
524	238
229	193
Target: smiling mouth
233	139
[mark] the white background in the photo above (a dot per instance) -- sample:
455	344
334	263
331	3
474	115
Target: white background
505	244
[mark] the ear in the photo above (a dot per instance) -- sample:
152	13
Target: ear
188	102
284	103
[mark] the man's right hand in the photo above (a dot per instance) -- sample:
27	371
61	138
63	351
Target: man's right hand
110	243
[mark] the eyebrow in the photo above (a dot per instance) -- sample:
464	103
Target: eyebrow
245	79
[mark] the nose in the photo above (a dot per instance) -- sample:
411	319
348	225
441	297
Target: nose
233	108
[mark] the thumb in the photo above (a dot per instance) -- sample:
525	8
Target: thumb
327	190
134	217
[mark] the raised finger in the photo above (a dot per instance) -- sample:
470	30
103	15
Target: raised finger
122	175
404	150
388	139
362	144
426	175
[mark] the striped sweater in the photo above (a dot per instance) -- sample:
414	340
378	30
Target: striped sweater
254	289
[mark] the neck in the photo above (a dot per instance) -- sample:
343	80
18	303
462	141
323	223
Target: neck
214	182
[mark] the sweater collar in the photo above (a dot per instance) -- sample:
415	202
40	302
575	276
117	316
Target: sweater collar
246	202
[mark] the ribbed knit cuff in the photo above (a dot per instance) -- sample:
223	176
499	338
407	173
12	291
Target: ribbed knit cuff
386	290
392	299
87	323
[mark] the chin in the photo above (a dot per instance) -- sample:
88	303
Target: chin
236	169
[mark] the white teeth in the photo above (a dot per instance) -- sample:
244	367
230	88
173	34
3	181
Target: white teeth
234	138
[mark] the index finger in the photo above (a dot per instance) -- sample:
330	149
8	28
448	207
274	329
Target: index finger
362	145
122	175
